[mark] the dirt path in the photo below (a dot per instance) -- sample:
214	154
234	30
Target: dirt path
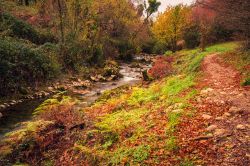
219	132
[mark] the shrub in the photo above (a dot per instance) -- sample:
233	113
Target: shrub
161	68
21	29
219	33
23	64
126	50
147	47
246	82
160	47
191	36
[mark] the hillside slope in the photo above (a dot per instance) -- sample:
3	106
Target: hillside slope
191	117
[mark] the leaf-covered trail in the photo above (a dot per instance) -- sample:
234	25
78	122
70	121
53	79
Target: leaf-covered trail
219	132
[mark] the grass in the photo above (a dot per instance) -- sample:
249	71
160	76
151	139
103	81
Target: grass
171	144
120	120
137	154
173	121
176	84
147	114
189	60
187	162
142	95
15	9
241	61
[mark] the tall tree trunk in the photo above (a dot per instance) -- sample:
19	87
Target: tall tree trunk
27	2
61	21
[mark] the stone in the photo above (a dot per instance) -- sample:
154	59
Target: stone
226	114
205	91
220	132
177	111
6	105
240	127
212	128
86	83
235	110
145	75
198	99
23	90
219	118
50	88
13	101
207	117
2	106
241	95
95	79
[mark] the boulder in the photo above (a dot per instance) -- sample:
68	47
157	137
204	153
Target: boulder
2	106
206	91
219	118
211	128
93	78
220	132
206	117
240	127
236	110
50	88
226	114
145	75
23	90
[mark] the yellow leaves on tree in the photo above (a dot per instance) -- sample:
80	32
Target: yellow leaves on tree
169	25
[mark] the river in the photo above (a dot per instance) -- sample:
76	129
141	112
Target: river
22	112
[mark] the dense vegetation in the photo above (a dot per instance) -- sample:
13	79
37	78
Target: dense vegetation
44	41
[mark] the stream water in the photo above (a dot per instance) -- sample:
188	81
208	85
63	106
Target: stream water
23	111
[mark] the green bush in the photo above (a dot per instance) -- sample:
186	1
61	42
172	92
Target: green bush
191	36
246	82
219	33
21	29
160	48
23	64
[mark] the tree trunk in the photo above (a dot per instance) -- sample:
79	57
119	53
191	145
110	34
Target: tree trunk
61	21
27	2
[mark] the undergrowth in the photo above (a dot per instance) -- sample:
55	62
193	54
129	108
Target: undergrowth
134	126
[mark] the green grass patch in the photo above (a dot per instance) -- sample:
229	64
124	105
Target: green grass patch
168	53
173	121
187	162
142	95
132	155
176	84
190	60
241	61
121	119
56	100
171	143
246	82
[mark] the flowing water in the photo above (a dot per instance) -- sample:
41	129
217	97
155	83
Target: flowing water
23	111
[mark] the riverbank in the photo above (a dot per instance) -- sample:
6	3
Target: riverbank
178	119
110	72
86	91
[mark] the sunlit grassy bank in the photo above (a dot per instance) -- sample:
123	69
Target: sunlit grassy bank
128	125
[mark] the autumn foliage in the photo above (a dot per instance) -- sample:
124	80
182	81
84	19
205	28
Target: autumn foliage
162	67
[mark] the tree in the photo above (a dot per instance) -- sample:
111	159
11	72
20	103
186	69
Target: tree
152	7
235	15
205	19
169	25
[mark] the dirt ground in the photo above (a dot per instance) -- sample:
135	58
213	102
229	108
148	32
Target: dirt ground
219	131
